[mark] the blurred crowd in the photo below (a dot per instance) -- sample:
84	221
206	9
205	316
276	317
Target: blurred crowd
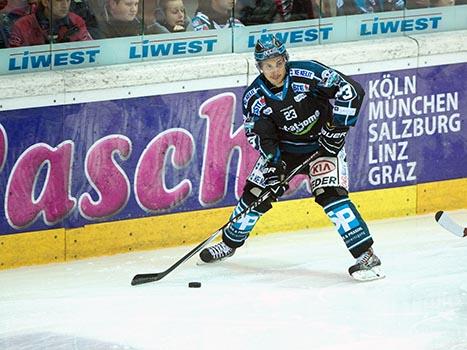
35	22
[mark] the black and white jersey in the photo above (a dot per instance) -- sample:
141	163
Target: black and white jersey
290	120
209	19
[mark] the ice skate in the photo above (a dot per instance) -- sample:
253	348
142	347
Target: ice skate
217	252
367	267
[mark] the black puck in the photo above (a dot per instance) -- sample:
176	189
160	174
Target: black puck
194	284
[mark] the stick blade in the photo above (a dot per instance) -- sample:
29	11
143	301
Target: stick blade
449	224
438	215
146	278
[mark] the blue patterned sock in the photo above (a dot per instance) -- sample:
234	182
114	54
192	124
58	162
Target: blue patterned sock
235	234
350	226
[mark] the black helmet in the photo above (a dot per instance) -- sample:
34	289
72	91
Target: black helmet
269	47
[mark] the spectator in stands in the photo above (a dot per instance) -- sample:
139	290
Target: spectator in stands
357	7
215	14
149	15
51	23
11	14
120	19
295	10
417	4
325	8
78	7
83	9
440	3
171	14
149	11
3	41
252	12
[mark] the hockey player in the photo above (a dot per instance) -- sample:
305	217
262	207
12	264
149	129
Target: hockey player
288	117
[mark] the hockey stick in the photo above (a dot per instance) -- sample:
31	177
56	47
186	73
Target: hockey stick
449	224
152	277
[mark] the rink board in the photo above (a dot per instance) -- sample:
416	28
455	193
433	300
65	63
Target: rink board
179	151
190	228
75	165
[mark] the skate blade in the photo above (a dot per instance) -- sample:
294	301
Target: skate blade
375	273
200	262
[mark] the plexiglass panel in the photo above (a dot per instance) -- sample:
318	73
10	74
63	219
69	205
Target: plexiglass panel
38	35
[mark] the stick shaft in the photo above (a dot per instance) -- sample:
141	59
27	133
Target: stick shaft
152	277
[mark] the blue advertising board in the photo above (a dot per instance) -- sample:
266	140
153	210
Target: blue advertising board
71	165
227	40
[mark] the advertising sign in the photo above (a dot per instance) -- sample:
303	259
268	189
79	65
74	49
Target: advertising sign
71	165
242	39
114	51
411	128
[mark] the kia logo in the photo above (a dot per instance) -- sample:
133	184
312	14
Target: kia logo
322	167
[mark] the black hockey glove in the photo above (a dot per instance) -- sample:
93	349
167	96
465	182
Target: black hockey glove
274	176
332	139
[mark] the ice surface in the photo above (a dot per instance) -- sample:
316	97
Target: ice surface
281	291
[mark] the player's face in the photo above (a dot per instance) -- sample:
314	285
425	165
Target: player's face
223	5
175	13
124	10
58	8
274	70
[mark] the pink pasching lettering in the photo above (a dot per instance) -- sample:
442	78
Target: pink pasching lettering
221	142
3	146
151	191
54	202
106	177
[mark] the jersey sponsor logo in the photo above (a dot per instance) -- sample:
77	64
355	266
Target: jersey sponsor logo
249	95
289	107
303	127
344	110
268	111
325	181
322	167
300	87
296	72
258	105
344	219
248	125
299	97
329	78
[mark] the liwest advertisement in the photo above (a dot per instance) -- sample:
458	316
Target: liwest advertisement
71	165
241	39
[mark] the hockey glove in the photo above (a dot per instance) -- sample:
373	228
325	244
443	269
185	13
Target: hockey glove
274	176
332	139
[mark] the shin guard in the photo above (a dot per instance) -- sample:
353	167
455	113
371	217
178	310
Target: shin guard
350	226
237	232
